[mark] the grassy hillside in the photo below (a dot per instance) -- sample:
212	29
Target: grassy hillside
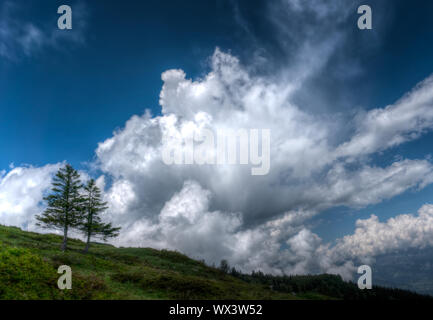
29	262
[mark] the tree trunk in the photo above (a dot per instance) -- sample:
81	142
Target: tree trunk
89	230
86	249
65	239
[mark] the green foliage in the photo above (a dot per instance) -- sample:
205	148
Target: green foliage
85	287
24	275
127	259
68	209
128	273
184	286
92	226
326	285
29	262
27	276
125	277
224	266
64	210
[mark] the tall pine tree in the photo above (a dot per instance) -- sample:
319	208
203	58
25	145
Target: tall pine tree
92	225
64	210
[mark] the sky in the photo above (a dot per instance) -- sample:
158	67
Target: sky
350	113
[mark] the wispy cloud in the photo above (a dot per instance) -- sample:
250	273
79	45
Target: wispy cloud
21	37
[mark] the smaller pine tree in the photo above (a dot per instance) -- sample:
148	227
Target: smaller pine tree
92	226
64	204
224	266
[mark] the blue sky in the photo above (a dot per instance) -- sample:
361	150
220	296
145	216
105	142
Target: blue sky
58	104
66	93
75	97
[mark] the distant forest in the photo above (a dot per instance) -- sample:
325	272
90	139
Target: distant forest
325	284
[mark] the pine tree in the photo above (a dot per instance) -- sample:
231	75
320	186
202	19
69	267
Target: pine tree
92	224
224	266
64	210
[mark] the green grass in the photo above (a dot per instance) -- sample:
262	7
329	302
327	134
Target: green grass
29	262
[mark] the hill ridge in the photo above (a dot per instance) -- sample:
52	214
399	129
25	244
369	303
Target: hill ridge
29	262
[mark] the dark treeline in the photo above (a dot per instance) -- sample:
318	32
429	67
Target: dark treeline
325	284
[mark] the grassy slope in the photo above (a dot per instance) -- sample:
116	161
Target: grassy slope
29	262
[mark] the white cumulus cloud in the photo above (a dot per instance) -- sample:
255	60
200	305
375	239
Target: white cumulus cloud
21	193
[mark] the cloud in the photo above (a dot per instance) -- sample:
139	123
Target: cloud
372	237
186	222
261	222
370	185
406	120
281	246
21	193
216	212
307	171
21	37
